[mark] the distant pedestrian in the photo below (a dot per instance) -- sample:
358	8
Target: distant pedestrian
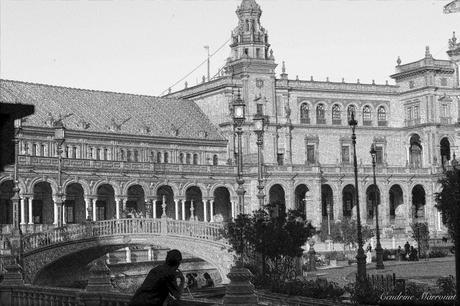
160	285
407	250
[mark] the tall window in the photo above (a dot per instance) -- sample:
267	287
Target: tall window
181	158
215	160
122	154
280	159
311	154
166	158
129	155
381	114
106	156
158	157
320	114
336	115
188	158
367	120
445	110
351	109
195	159
346	154
379	155
260	109
415	151
416	112
304	113
74	152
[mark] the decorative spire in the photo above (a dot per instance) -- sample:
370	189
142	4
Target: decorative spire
452	42
427	52
284	75
398	61
454	161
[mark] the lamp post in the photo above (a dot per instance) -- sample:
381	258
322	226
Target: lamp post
360	257
378	248
259	122
238	120
59	137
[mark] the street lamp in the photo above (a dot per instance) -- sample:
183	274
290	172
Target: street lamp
239	116
360	257
59	137
259	123
378	248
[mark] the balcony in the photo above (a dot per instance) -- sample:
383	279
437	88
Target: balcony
446	120
412	122
367	123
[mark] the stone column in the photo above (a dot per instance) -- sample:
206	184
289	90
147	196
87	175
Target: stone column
176	208
128	254
233	209
183	209
64	219
55	219
154	208
94	210
31	217
205	210
23	210
88	208
192	210
212	210
118	203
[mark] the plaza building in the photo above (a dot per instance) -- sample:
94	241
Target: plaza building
176	155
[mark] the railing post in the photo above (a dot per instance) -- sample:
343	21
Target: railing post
164	225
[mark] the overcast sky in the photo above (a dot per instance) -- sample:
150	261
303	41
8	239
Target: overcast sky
145	46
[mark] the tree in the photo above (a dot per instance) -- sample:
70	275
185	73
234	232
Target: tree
274	237
448	203
346	231
421	234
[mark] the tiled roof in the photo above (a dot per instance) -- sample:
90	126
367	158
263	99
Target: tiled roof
110	112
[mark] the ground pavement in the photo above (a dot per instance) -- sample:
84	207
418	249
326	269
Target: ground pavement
424	271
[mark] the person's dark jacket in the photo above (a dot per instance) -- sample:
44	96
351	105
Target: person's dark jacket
159	283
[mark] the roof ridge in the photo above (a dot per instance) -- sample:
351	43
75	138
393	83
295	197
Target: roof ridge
91	90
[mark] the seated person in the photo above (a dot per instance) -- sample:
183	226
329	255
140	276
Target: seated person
209	282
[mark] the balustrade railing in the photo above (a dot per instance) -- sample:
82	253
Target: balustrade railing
164	226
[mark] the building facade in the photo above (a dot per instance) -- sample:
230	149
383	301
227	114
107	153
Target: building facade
176	154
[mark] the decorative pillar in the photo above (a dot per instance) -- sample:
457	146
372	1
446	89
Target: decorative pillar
128	254
94	210
192	209
163	206
149	253
211	208
176	208
64	221
89	208
56	211
233	209
205	210
154	208
118	204
31	217
23	210
183	209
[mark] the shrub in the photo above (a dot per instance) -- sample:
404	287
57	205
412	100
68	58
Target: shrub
319	288
438	252
446	285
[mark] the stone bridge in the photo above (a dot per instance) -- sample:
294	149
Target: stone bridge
83	243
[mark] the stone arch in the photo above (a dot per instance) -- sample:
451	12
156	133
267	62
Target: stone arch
105	201
445	151
305	111
222	204
336	112
418	201
385	112
42	203
114	185
229	187
216	254
83	183
327	201
370	197
143	184
176	190
135	198
36	180
300	197
348	201
204	190
396	202
74	208
22	183
194	203
277	196
165	193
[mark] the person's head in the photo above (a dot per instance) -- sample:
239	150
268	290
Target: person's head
206	275
173	258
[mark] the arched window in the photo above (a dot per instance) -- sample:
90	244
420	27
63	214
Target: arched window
74	152
122	154
129	155
152	156
34	149
415	152
336	114
215	160
181	158
188	158
367	119
304	113
382	116
445	151
42	150
98	153
320	114
136	155
159	157
195	159
351	109
166	158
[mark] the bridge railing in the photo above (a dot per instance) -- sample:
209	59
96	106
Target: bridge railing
164	226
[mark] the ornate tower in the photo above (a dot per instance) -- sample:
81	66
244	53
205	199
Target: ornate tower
454	55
